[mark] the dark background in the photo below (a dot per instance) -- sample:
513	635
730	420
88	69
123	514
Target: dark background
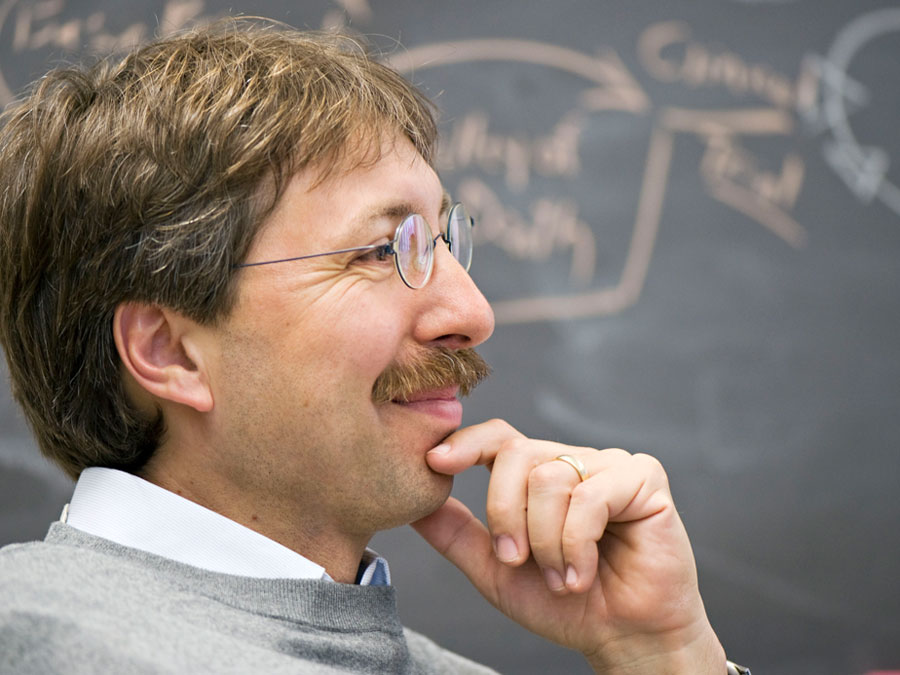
689	226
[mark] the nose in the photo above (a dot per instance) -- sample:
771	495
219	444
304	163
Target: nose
455	314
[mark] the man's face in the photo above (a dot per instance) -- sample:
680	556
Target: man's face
294	425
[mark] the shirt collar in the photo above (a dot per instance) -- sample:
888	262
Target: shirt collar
133	512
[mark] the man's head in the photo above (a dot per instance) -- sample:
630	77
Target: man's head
141	184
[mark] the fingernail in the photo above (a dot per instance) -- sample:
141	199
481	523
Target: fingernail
505	548
571	576
554	581
441	449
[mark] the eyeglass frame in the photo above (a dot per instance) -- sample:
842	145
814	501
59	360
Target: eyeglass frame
388	248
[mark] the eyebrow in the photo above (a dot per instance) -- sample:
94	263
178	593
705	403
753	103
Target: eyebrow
396	210
402	209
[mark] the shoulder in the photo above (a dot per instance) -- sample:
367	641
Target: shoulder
436	659
45	568
25	567
60	584
73	606
49	582
46	593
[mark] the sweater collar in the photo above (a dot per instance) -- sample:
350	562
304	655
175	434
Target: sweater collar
135	513
341	607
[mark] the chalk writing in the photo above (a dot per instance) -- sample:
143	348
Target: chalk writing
611	85
475	151
42	25
732	176
39	26
863	168
552	225
471	143
731	173
669	54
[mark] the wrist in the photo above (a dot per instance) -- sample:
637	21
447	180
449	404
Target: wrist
702	655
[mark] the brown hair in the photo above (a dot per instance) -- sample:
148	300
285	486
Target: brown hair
147	180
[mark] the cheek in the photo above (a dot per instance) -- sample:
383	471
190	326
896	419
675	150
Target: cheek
361	338
344	334
371	352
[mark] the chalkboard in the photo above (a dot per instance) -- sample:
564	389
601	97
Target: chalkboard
689	226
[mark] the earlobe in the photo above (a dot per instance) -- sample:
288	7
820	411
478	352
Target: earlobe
155	346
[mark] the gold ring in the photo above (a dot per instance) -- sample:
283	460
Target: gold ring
576	464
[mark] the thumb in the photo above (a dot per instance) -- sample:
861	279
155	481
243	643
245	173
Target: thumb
464	540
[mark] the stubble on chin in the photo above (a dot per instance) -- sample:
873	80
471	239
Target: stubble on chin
413	491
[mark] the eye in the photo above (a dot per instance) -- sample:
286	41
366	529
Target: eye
380	253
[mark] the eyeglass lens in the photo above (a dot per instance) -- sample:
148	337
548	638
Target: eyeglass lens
459	232
413	247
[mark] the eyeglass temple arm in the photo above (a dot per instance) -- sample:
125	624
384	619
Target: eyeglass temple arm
313	255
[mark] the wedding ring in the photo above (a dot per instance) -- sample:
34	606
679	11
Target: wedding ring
576	464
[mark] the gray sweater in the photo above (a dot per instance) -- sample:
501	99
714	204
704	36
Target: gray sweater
76	603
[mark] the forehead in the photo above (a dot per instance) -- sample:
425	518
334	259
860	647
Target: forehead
313	212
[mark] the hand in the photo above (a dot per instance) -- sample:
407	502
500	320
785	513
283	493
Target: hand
603	566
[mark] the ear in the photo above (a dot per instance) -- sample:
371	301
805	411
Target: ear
158	347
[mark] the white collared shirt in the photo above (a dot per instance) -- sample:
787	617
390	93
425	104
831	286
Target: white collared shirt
133	512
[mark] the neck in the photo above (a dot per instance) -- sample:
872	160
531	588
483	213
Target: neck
294	526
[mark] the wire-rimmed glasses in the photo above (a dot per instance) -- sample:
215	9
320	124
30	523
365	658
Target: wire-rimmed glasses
412	246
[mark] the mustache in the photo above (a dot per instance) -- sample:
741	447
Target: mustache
433	368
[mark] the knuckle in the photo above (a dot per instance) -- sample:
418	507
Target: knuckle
501	426
544	549
581	494
543	476
571	541
514	446
616	453
501	511
586	498
650	462
648	459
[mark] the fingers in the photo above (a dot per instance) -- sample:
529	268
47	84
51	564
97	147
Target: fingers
454	532
566	516
511	456
630	489
471	446
539	507
461	538
510	495
550	487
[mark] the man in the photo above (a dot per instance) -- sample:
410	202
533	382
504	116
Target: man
236	307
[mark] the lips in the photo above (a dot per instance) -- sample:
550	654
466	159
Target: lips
440	404
442	394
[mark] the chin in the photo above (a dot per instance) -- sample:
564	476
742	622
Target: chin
421	502
440	497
